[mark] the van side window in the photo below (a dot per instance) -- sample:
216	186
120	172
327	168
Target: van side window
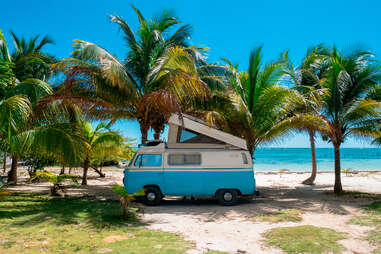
148	160
184	159
244	158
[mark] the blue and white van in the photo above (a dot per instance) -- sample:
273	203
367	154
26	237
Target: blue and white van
161	171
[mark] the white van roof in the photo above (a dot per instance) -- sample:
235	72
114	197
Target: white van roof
209	136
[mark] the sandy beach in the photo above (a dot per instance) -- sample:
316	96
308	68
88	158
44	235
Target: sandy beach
233	229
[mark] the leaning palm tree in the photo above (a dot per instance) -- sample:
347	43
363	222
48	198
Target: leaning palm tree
99	139
159	71
306	81
346	107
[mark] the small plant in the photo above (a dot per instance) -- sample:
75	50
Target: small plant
125	198
346	171
57	189
2	191
282	171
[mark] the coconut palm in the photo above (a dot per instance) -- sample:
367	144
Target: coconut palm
102	138
346	111
347	108
21	85
158	73
251	106
306	81
259	100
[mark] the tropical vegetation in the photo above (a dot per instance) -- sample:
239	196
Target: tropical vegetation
57	188
332	94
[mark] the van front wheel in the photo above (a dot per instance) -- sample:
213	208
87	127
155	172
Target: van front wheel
152	196
227	197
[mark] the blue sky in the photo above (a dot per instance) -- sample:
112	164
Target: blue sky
229	28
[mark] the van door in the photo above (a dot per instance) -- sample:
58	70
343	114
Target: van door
149	170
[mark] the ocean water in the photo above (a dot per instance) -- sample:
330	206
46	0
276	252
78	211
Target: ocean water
299	159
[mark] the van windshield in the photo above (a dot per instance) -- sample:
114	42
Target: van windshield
132	160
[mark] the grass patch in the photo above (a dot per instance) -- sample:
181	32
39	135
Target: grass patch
305	239
284	215
40	223
371	219
357	194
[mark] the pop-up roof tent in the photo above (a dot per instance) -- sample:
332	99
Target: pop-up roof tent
190	132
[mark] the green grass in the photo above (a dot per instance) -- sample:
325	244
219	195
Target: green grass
42	224
284	215
305	239
357	194
371	219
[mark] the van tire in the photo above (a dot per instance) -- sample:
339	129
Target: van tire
227	197
152	196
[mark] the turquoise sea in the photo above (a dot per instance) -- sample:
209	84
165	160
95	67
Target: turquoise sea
299	159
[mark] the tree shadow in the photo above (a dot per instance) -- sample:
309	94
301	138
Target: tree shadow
316	199
29	210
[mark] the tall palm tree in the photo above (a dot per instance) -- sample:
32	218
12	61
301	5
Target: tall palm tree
102	138
251	106
306	80
259	102
159	71
346	106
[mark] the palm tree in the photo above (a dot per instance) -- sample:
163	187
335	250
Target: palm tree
259	102
346	111
27	60
251	106
26	127
307	83
14	114
346	107
99	139
21	84
159	71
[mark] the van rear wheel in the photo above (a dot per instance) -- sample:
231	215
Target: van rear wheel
227	197
152	196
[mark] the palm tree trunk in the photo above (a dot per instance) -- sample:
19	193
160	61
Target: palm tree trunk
62	170
86	164
338	188
98	171
5	162
156	135
12	175
144	132
311	179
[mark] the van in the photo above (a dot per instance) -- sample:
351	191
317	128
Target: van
161	171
